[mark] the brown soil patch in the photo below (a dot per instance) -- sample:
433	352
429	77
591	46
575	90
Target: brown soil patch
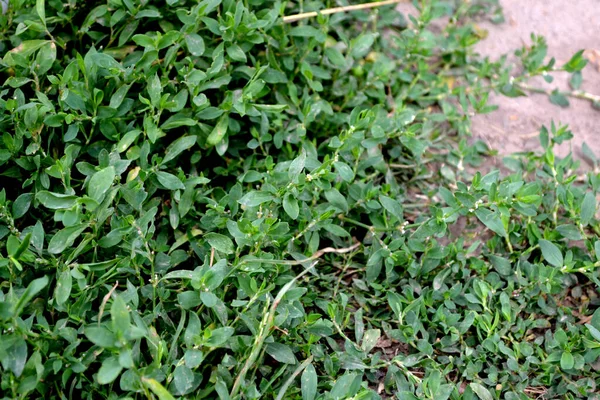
568	26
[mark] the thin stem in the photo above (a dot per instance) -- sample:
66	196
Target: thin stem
289	381
263	332
578	94
297	17
316	255
343	335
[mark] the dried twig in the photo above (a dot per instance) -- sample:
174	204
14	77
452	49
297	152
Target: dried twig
316	255
297	17
343	250
105	300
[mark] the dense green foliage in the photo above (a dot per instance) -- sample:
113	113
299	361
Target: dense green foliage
201	201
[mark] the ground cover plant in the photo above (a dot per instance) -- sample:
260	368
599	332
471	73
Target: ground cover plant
202	201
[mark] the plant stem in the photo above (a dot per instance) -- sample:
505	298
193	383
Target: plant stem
263	332
578	94
289	381
297	17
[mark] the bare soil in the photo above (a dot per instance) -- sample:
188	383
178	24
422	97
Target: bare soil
568	26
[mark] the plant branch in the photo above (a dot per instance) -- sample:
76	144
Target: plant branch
578	94
264	330
288	382
297	17
316	255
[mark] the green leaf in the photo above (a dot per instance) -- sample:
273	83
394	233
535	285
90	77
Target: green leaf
24	49
117	98
576	63
40	7
119	315
308	383
56	201
439	279
219	131
219	336
13	354
236	53
501	264
588	208
37	236
271	108
183	378
126	359
109	370
177	147
159	390
193	358
148	13
143	40
63	287
208	299
297	165
344	170
336	199
255	198
481	391
177	120
370	338
100	182
576	80
569	231
195	44
105	61
65	238
343	387
220	242
392	206
33	288
23	246
491	220
559	99
290	205
100	336
127	140
154	90
169	181
336	230
21	205
281	353
551	253
304	31
567	361
335	57
593	331
362	44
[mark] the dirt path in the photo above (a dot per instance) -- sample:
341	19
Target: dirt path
568	27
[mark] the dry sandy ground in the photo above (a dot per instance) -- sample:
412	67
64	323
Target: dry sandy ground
568	26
